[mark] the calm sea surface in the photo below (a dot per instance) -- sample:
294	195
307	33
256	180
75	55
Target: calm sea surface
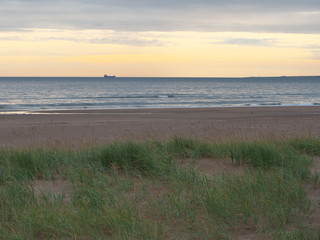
21	94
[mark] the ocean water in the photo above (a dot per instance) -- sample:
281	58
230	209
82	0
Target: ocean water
29	93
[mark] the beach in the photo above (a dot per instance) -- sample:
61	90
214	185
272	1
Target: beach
77	128
200	173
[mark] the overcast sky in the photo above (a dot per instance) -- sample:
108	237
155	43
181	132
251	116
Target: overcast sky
285	16
159	37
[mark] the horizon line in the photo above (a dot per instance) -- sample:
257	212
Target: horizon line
279	76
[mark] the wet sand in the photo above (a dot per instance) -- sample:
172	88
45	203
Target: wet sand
77	128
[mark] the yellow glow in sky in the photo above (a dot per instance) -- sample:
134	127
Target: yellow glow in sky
44	52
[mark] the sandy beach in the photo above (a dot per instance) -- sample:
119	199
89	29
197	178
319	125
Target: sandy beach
83	127
101	186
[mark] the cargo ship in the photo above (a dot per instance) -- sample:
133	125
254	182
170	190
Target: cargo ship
109	76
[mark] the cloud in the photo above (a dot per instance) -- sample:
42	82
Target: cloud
85	36
248	41
293	16
135	41
316	54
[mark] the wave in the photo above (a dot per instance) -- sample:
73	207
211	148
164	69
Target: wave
270	104
144	104
124	97
145	96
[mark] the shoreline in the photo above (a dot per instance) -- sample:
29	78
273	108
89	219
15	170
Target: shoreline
95	110
84	127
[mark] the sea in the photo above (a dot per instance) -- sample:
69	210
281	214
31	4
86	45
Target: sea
21	94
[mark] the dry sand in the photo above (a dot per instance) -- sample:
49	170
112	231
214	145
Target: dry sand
83	127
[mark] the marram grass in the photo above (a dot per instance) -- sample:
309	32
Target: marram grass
134	190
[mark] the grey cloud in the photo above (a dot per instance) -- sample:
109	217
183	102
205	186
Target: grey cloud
114	39
163	15
248	41
317	47
128	41
169	4
316	55
96	37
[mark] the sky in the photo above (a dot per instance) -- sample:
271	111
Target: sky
159	38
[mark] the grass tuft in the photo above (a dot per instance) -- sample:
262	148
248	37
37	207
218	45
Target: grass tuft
308	146
140	190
